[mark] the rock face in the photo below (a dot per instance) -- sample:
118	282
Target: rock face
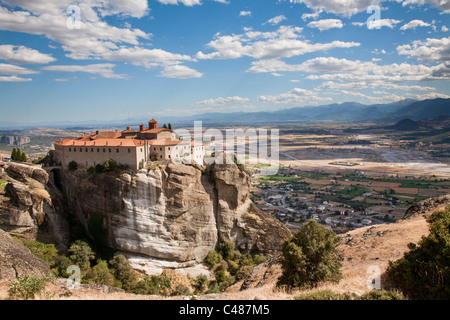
31	207
14	140
173	216
426	205
16	260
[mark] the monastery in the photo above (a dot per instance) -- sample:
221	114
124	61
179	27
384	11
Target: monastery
133	148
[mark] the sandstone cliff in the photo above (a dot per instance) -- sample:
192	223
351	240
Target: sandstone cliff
31	206
14	140
173	216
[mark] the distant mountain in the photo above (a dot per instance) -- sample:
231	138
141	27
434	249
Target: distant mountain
406	125
345	112
425	109
342	112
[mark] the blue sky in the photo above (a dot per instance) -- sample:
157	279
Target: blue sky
111	60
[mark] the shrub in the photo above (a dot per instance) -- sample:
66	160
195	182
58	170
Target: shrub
100	274
146	286
324	295
310	257
46	252
382	295
81	254
27	286
181	290
213	258
123	272
201	283
424	271
73	166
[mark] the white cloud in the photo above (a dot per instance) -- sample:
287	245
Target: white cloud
343	7
14	79
326	24
245	13
10	69
276	20
444	5
444	29
414	24
102	69
189	3
351	7
296	96
179	72
427	50
283	43
23	55
222	101
389	23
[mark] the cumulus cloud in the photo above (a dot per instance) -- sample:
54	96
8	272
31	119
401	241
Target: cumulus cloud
428	50
389	23
245	13
223	101
95	39
351	7
296	96
414	24
275	20
326	24
284	43
102	69
23	55
179	72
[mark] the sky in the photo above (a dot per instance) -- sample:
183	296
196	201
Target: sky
68	60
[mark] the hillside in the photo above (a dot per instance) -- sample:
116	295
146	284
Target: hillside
360	249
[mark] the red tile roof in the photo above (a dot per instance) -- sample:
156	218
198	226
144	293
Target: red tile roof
101	143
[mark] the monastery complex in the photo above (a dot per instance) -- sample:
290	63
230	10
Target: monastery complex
133	148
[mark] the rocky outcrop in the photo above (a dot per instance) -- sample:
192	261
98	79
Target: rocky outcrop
17	260
426	205
14	140
173	216
31	207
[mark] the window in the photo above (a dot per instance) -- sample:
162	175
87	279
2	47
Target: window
81	149
92	149
160	156
129	150
160	148
117	150
109	149
70	149
87	150
141	149
98	149
104	150
169	148
154	149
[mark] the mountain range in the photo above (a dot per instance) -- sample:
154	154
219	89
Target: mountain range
343	112
340	112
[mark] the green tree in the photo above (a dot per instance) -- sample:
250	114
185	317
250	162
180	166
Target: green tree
123	272
424	271
100	274
310	257
109	165
23	157
81	254
14	154
169	126
165	126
